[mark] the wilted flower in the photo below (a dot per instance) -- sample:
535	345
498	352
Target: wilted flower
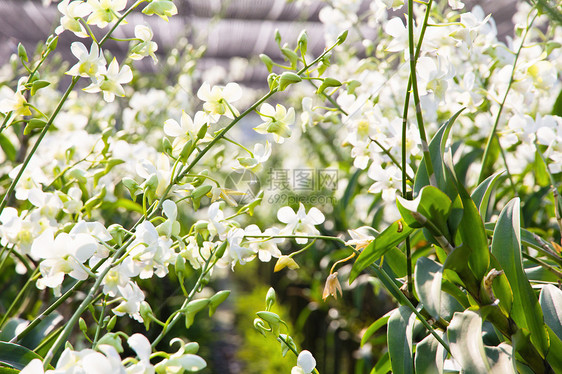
332	286
285	261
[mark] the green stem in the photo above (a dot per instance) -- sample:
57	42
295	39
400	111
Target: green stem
20	295
402	167
486	156
402	299
413	77
37	142
176	316
83	306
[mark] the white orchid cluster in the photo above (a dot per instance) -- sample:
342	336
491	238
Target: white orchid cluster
106	359
462	64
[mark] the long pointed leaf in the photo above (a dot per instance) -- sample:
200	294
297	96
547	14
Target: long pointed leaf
436	150
465	340
506	247
481	195
551	303
400	335
501	359
430	356
16	355
428	277
390	237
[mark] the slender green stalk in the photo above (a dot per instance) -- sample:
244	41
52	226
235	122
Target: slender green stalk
170	324
100	321
427	156
402	299
37	142
83	306
487	150
413	77
19	296
6	121
405	175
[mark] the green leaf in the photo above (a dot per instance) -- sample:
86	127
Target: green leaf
8	147
41	331
481	195
428	276
396	261
400	336
7	370
465	341
436	151
375	326
554	357
473	235
432	204
557	108
430	356
16	355
506	247
383	365
551	304
500	359
390	237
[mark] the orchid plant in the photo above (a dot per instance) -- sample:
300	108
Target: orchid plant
446	140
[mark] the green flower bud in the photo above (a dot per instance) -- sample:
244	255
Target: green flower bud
22	53
267	61
113	340
162	8
146	314
200	226
341	37
352	85
83	326
111	323
186	150
33	124
52	42
272	319
216	300
37	85
191	348
167	146
220	252
272	81
201	191
117	232
260	326
270	298
132	186
288	78
303	42
291	56
151	183
328	82
180	267
278	37
192	309
202	131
